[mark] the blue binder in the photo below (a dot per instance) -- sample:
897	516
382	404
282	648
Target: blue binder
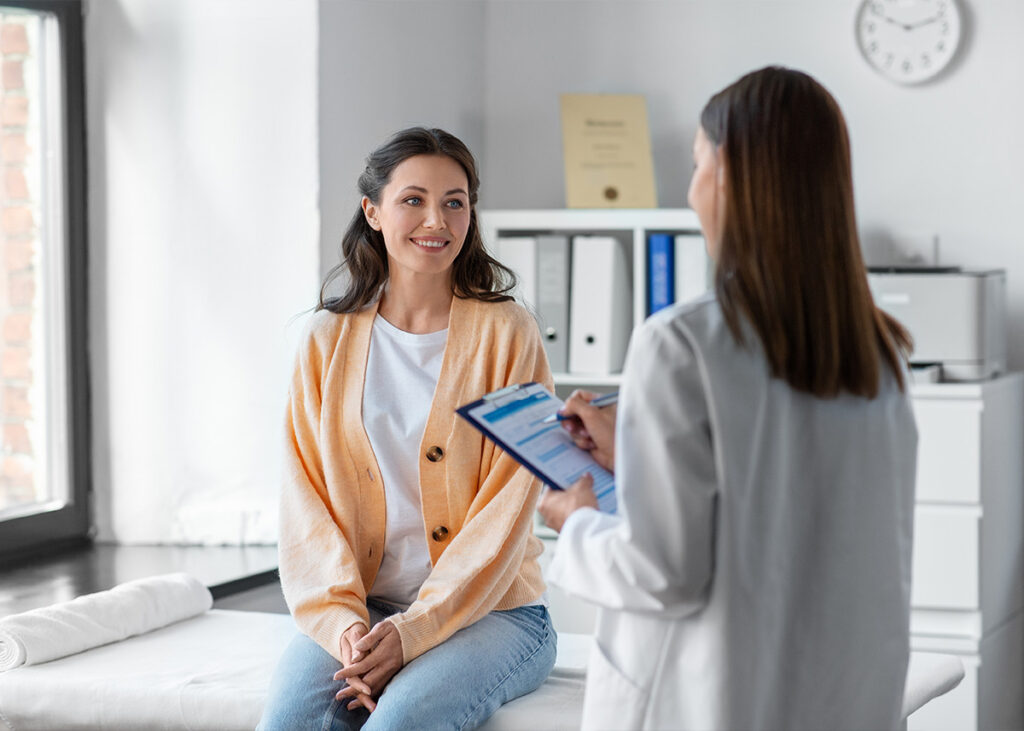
660	271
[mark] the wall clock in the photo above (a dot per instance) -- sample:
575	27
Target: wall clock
908	41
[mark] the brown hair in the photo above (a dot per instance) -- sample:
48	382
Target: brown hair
789	260
475	274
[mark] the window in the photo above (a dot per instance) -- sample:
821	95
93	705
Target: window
44	445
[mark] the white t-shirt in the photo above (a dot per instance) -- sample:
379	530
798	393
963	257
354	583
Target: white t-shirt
401	375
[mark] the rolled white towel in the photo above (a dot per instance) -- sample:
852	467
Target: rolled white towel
128	609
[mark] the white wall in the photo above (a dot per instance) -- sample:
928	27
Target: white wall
386	65
945	158
203	246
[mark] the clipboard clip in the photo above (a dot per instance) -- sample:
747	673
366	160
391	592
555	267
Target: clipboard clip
502	392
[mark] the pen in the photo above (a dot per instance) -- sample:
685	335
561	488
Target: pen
600	402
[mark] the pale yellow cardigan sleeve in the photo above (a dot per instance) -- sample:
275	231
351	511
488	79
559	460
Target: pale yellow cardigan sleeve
476	571
320	577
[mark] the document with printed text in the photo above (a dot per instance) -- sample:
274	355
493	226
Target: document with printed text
514	419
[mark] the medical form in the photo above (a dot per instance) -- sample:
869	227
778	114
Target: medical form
513	418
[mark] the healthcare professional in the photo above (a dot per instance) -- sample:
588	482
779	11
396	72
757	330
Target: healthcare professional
757	575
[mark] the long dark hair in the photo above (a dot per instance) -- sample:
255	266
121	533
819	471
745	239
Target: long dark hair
789	259
475	274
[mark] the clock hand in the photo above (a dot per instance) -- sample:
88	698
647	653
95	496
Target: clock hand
927	21
877	10
887	19
905	26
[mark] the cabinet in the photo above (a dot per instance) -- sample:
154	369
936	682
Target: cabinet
967	595
631	227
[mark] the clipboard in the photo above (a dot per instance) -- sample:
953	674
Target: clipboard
513	418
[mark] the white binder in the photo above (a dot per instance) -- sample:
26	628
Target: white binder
692	267
601	305
519	253
553	298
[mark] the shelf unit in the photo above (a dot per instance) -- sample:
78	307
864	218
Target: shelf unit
631	226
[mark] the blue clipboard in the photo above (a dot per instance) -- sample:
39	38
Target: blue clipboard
514	419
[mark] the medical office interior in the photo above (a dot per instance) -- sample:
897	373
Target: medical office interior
222	141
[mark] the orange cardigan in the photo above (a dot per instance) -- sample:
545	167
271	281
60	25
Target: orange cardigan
478	504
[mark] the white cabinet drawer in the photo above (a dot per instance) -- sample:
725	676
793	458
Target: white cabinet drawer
948	450
945	563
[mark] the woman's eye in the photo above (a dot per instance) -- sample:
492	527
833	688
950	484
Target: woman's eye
455	204
413	200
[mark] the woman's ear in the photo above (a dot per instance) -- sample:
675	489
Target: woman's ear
370	211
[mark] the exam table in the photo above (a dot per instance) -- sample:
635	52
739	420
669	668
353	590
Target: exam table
212	671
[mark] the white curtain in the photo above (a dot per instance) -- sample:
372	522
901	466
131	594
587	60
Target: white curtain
202	135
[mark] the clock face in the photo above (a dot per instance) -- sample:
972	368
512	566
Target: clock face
908	41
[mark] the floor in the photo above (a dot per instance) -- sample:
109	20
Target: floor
267	598
231	572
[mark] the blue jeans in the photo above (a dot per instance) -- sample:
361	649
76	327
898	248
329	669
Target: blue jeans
456	685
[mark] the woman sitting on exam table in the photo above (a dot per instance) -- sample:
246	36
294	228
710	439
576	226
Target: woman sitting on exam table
407	556
757	575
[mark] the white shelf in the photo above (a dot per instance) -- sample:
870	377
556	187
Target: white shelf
584	380
567	219
630	225
948	390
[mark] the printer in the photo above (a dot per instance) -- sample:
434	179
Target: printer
956	317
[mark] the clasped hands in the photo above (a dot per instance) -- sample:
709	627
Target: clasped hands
369	660
592	429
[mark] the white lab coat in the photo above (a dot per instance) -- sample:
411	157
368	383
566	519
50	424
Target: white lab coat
757	575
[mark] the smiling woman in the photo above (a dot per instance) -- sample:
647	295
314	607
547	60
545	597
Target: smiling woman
423	216
407	555
364	254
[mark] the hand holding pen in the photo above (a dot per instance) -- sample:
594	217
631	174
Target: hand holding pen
590	421
600	402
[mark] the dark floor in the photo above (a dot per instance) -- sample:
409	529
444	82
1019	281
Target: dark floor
243	576
266	598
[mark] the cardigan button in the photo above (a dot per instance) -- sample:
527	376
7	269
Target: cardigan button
435	454
439	533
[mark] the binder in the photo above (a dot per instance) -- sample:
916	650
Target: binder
553	298
600	305
692	267
660	271
519	253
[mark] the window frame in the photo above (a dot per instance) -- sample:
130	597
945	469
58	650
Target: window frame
71	524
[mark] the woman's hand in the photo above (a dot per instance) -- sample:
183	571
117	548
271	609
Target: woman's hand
557	505
377	656
591	428
349	655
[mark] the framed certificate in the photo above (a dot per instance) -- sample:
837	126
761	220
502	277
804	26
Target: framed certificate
607	147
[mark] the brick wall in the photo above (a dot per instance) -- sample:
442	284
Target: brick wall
18	262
